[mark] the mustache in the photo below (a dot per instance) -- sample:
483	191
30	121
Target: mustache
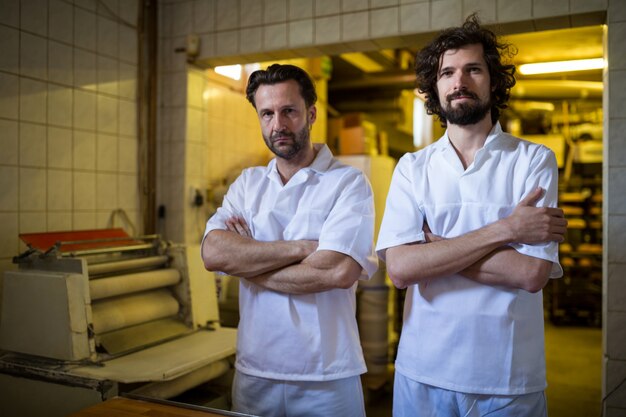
461	93
282	134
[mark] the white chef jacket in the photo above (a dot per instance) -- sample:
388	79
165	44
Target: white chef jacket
458	334
310	337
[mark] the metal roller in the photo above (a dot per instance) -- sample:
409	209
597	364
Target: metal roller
117	313
110	267
131	283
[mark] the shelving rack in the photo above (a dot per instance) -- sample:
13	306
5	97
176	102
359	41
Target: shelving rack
577	297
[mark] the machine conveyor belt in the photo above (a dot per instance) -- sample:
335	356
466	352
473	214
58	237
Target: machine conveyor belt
168	360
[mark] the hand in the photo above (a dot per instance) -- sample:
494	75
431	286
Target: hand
430	236
530	224
238	225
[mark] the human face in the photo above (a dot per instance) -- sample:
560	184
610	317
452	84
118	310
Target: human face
464	85
284	117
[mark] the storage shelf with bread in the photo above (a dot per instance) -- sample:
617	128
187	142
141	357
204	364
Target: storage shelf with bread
577	297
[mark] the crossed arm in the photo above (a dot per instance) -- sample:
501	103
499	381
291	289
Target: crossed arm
294	267
482	255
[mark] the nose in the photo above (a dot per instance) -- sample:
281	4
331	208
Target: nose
459	80
278	123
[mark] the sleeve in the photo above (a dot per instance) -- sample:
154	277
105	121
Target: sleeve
232	205
403	220
349	226
543	173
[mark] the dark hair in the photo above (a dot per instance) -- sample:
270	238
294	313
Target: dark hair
277	73
502	75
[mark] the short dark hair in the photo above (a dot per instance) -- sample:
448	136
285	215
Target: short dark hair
278	73
502	75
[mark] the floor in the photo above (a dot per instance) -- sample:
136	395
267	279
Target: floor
574	369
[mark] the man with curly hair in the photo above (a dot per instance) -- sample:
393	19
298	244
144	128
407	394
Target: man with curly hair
471	229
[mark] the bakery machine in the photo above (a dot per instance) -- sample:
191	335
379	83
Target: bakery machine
88	315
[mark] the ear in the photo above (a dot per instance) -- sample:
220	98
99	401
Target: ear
312	113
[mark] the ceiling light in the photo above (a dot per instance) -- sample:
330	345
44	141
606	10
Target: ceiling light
562	66
230	71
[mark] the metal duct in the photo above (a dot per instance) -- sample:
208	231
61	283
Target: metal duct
557	89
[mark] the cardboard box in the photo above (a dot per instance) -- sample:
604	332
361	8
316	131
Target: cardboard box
354	119
358	140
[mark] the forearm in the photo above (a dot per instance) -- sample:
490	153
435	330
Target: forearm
411	264
244	257
509	268
322	271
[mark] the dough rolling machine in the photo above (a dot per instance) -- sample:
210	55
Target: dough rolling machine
107	313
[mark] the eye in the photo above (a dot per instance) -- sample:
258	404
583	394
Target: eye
289	112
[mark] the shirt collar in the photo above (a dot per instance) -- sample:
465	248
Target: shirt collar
323	159
320	164
496	130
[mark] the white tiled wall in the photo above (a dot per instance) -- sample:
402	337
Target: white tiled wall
614	260
282	29
68	79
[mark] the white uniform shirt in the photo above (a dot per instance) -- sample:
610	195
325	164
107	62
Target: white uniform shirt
458	334
310	337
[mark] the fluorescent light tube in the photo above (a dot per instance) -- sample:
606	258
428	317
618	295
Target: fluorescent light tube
562	66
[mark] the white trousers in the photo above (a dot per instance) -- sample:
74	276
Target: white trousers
269	397
414	399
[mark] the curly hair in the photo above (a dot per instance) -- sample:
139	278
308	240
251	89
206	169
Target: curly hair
277	73
502	75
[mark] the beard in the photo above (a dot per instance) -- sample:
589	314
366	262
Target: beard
464	114
299	141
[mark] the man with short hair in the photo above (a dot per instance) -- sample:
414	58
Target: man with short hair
471	229
299	234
